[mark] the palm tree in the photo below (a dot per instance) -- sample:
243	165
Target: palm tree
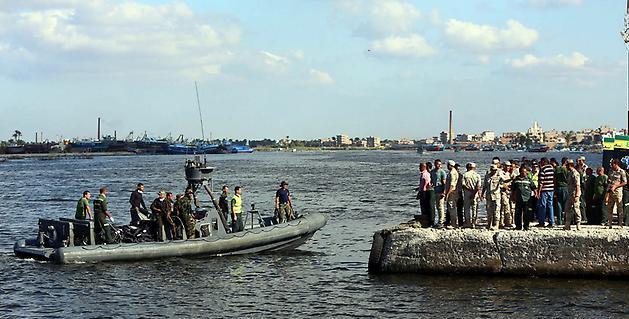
568	135
16	136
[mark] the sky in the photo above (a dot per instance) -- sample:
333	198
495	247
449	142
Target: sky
309	69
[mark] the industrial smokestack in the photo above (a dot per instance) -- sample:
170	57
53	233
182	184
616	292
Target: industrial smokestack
35	137
98	136
115	135
450	132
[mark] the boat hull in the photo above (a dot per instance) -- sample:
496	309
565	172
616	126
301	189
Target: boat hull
271	238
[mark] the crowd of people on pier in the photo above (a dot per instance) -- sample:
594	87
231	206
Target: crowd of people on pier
517	191
173	216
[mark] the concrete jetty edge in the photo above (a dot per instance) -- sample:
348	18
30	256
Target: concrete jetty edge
591	252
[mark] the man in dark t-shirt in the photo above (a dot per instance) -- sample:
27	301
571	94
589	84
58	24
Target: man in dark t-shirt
283	203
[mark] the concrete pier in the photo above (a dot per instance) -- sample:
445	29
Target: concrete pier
593	251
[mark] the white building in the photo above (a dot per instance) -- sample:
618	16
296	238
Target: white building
535	132
487	136
343	140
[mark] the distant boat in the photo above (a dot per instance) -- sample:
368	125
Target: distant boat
88	146
488	148
178	148
472	148
237	149
15	149
539	148
434	147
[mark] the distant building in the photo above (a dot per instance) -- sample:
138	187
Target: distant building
487	136
464	138
360	143
509	137
327	142
373	141
535	133
405	141
343	140
443	137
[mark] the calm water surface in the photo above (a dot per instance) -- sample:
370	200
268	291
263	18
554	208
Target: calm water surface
327	277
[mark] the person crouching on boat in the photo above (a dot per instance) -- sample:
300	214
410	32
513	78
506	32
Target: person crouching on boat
138	207
158	209
83	207
236	210
101	226
284	203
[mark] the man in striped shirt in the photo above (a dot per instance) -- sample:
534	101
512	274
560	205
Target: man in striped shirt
545	190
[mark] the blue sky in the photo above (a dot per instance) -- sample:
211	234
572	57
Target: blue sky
309	69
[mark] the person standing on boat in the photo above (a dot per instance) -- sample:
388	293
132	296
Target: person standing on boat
101	213
170	204
186	213
236	211
438	179
83	209
138	207
158	209
284	203
223	203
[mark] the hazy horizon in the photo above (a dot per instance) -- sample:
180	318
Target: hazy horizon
309	69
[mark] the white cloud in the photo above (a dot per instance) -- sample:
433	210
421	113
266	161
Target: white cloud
489	39
274	60
576	60
382	17
321	77
117	37
412	46
553	3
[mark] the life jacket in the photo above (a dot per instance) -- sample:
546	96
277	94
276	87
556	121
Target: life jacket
237	204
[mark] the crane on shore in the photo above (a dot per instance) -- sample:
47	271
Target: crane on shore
625	36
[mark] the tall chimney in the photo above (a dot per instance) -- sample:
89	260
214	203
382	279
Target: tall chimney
35	137
115	135
450	132
98	136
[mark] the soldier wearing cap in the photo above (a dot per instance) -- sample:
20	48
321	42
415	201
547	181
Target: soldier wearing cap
491	192
617	178
573	207
452	194
284	203
471	185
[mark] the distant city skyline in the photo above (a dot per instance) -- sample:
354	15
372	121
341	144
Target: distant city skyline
309	69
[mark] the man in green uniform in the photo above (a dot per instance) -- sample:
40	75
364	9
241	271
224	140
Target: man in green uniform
236	211
521	188
600	187
491	191
168	213
83	207
101	226
283	203
573	207
617	178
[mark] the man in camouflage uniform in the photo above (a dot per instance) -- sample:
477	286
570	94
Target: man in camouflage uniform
617	178
168	216
185	213
573	206
471	185
491	191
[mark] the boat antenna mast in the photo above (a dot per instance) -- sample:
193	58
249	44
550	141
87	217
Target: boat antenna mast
201	115
625	36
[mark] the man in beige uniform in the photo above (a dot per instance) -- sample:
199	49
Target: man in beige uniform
573	206
506	214
617	178
452	194
471	184
491	191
